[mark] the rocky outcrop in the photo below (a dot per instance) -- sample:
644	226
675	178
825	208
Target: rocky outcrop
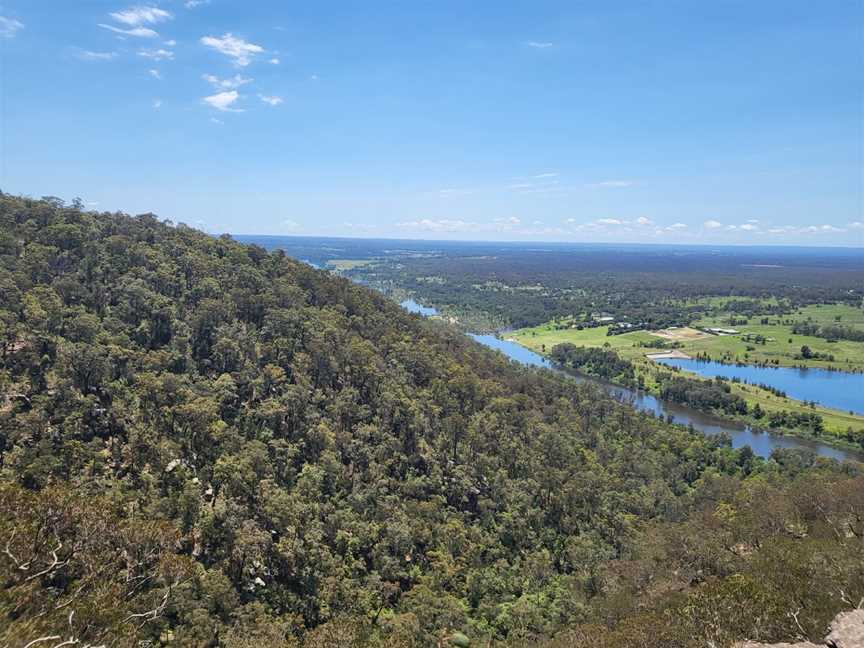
845	631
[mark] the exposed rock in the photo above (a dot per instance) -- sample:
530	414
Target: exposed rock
847	630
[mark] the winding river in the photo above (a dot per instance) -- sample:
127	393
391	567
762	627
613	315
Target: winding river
837	389
762	443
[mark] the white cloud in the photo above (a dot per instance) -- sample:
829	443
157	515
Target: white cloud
749	227
753	220
157	104
270	100
609	221
313	77
157	54
821	229
216	121
442	225
571	220
290	224
677	226
155	74
612	184
230	83
448	193
9	27
539	44
241	51
543	176
87	55
644	221
274	61
135	16
140	32
223	101
712	224
191	4
856	225
511	220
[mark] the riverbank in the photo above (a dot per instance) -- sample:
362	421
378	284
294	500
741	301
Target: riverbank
667	355
762	442
743	431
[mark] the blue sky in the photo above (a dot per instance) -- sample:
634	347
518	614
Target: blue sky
669	121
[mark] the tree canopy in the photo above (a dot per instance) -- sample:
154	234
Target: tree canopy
206	444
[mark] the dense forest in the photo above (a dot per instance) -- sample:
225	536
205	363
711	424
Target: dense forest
206	444
513	287
602	363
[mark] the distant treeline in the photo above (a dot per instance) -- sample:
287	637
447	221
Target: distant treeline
828	332
657	290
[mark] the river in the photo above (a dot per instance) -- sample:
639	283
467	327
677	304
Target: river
838	389
762	443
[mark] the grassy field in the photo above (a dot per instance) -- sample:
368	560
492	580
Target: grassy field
848	355
343	265
781	348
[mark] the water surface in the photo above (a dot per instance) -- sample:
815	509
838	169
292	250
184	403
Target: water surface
762	443
837	389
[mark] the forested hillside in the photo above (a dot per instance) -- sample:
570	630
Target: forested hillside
205	444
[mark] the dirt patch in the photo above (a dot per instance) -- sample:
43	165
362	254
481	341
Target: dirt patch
683	333
665	355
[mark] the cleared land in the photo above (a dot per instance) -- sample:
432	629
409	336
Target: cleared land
781	345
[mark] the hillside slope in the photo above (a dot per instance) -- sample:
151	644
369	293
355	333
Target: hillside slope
203	444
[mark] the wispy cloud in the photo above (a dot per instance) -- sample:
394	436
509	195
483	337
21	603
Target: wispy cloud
274	61
609	221
270	100
87	55
712	224
611	184
749	227
157	104
545	176
135	16
291	225
449	193
139	32
157	54
230	83
677	226
540	44
237	49
191	4
223	101
642	220
9	27
443	225
155	74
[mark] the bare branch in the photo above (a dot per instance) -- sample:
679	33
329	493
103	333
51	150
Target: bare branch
57	563
41	639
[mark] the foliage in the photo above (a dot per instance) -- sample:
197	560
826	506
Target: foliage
206	444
